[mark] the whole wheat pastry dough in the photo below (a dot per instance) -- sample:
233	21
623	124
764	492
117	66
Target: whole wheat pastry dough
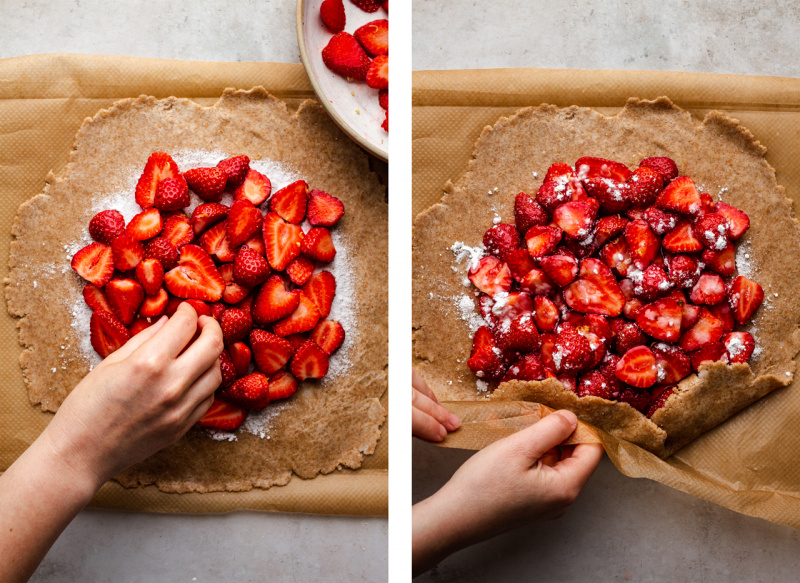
325	425
721	156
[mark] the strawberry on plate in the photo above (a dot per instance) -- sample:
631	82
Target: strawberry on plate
378	73
333	15
344	56
374	37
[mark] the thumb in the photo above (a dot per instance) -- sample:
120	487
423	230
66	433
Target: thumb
544	435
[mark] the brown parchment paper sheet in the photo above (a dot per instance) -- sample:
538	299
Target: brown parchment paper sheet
43	101
750	463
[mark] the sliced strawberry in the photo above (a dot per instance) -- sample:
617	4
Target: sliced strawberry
207	215
553	193
127	253
139	325
282	385
223	415
317	244
724	313
324	210
378	73
588	167
374	37
159	167
94	263
642	243
542	241
571	351
227	368
274	302
709	290
146	225
645	186
256	243
328	335
333	15
270	352
195	276
368	5
653	283
739	346
207	183
486	360
320	288
282	241
216	243
707	204
722	262
200	307
150	274
613	196
561	269
576	218
520	334
107	333
713	352
637	367
632	307
528	367
639	400
500	240
250	268
744	296
595	291
608	228
95	298
383	98
661	319
691	314
236	169
738	221
161	249
491	275
660	222
106	226
296	339
706	330
250	391
615	255
663	165
684	271
660	400
255	188
236	325
682	239
344	56
673	364
680	196
635	213
596	384
528	213
243	221
520	263
290	202
309	362
303	319
154	305
171	194
178	230
712	230
545	314
299	270
536	283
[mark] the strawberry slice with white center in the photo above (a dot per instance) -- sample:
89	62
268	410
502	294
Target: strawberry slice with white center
491	275
642	243
150	274
722	262
317	244
127	253
542	241
94	263
561	269
223	416
107	333
714	352
608	228
270	352
154	305
378	73
323	210
739	345
545	314
299	270
680	196
520	263
673	364
207	215
637	367
320	289
309	362
595	291
738	221
537	283
274	302
661	319
682	239
374	37
591	167
576	218
178	230
328	335
216	243
256	188
158	168
95	298
282	241
195	276
234	293
709	289
744	296
146	225
706	330
282	385
615	255
303	319
243	222
290	202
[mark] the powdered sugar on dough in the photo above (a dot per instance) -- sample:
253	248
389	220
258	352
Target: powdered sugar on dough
345	304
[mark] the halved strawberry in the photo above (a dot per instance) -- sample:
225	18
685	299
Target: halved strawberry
661	319
107	333
663	165
207	183
739	346
486	360
161	249
127	253
684	271
709	289
542	241
724	314
139	325
255	188
94	263
491	275
561	269
323	210
150	274
236	170
744	296
713	352
317	244
571	350
282	241
553	193
234	292
520	263
712	230
216	243
545	314
154	305
680	196
200	307
627	335
645	185
95	298
653	284
344	56
537	283
637	367
706	330
576	218
309	362
217	309
178	230
236	325
501	240
596	384
195	276
296	339
207	215
171	194
370	5
256	243
299	270
528	213
223	415
519	334
608	228
274	302
660	400
333	15
227	368
290	202
303	319
250	391
146	225
270	352
613	196
738	221
374	37
722	262
243	221
660	222
595	291
106	226
378	73
615	255
528	367
159	166
249	268
589	167
682	239
321	288
673	364
282	385
691	314
642	243
328	334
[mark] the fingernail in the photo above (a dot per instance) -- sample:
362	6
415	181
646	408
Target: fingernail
455	421
569	416
442	432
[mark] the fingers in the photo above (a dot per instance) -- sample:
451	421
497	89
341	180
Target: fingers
579	466
426	427
551	457
202	388
422	386
435	410
175	334
204	351
536	440
136	341
198	412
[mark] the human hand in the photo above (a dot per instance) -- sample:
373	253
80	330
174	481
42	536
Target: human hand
429	420
141	398
514	481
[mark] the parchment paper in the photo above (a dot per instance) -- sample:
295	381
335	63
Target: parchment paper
750	463
43	101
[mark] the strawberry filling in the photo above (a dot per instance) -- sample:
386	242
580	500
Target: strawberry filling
616	307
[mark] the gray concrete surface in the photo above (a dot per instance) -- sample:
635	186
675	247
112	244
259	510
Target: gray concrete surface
620	529
103	546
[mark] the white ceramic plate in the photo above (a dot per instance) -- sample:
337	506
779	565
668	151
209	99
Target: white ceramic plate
352	105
